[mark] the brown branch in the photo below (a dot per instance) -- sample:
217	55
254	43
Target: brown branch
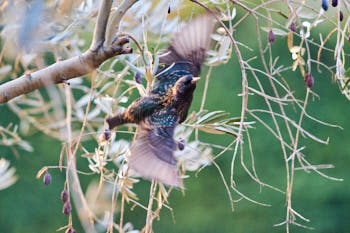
101	24
150	216
114	22
77	66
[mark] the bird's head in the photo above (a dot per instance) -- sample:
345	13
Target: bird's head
185	85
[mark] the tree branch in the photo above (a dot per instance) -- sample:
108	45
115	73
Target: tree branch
77	66
114	23
101	24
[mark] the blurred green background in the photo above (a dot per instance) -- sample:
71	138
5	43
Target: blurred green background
31	207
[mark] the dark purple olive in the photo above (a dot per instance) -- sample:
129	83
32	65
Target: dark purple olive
309	80
70	230
271	37
107	134
64	196
325	5
137	78
334	3
293	28
67	208
181	144
341	16
47	178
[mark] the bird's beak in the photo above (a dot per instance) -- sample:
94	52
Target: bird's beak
195	79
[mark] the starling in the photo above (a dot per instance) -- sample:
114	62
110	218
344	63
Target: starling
152	152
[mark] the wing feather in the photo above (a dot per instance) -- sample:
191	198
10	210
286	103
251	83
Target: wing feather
191	43
152	153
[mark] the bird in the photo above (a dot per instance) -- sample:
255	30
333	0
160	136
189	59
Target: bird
151	154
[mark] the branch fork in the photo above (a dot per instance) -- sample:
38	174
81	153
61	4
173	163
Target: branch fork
102	52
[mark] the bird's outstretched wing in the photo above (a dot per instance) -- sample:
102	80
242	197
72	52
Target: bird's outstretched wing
191	44
152	153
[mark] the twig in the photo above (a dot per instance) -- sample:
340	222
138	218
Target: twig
73	182
149	218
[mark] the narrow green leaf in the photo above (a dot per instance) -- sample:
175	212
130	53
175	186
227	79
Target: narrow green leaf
347	72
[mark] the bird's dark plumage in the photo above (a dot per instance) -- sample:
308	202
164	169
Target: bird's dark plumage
152	152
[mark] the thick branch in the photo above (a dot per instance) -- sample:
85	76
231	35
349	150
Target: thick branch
101	23
114	23
61	71
83	64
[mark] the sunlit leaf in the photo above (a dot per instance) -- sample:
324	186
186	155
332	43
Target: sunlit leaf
347	72
41	172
